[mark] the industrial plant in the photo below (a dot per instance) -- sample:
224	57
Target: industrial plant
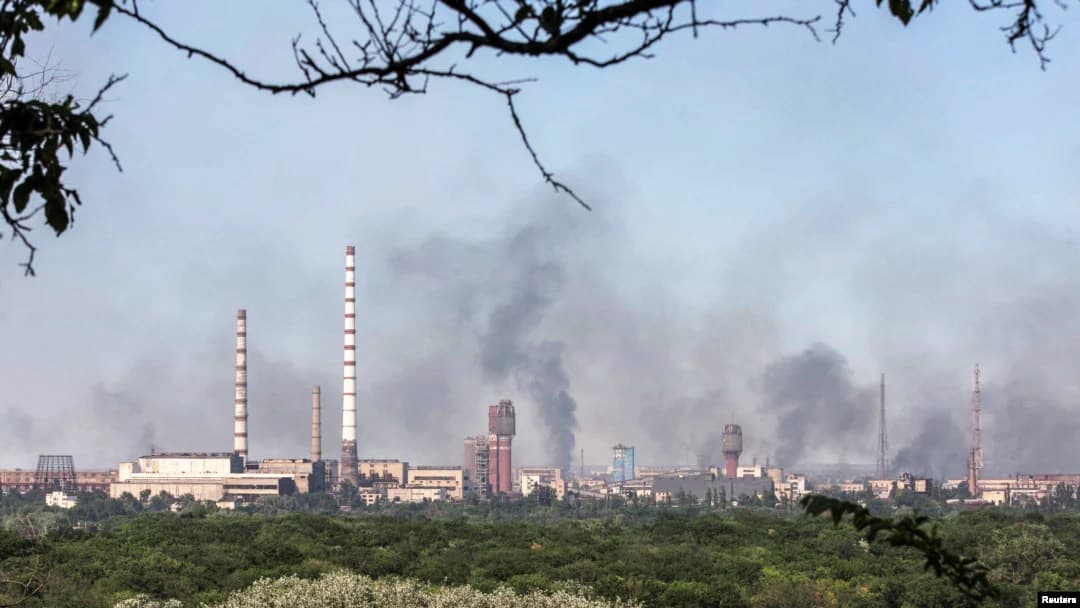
487	471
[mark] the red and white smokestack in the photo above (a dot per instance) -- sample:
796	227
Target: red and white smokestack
731	444
349	471
501	430
316	425
240	447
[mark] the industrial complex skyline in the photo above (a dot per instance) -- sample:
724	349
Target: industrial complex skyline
818	371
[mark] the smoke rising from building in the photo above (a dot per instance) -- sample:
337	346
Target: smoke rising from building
637	357
510	313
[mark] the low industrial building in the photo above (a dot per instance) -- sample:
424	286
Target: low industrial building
383	473
371	496
24	480
637	488
414	494
451	479
307	475
698	487
794	487
755	471
204	476
851	487
60	499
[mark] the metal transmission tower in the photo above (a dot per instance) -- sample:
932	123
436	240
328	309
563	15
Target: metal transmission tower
55	473
883	438
975	457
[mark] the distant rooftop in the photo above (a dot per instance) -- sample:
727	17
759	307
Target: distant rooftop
156	454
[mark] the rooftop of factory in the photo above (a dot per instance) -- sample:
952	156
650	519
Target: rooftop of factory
156	454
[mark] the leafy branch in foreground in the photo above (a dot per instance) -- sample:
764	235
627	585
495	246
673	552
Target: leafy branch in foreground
966	573
35	131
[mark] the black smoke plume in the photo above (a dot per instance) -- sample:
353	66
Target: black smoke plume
938	451
820	412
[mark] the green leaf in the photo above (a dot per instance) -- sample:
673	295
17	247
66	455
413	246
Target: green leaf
103	14
56	214
902	10
22	194
18	47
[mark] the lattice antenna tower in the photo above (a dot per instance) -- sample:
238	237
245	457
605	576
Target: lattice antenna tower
976	424
883	437
55	474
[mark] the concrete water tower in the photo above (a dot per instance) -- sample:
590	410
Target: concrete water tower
731	443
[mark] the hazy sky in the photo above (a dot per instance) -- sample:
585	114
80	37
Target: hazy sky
777	221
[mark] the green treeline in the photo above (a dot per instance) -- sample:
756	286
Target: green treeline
731	558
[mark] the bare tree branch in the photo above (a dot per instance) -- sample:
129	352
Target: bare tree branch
399	43
397	51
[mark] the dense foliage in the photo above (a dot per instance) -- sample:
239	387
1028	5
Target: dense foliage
673	556
344	590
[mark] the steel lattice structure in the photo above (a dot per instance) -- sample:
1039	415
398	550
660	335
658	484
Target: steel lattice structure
55	473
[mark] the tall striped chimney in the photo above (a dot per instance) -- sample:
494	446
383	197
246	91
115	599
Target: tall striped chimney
240	447
349	471
316	425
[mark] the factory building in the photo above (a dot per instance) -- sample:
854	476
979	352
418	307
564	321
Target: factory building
202	475
851	487
307	475
635	488
450	479
530	478
414	494
751	471
1020	489
23	480
475	466
698	487
793	488
622	463
371	496
378	473
884	488
776	474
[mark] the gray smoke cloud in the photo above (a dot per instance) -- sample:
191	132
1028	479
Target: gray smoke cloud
508	349
816	403
507	289
588	329
939	450
1028	429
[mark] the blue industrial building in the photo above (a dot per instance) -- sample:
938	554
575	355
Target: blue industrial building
622	463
